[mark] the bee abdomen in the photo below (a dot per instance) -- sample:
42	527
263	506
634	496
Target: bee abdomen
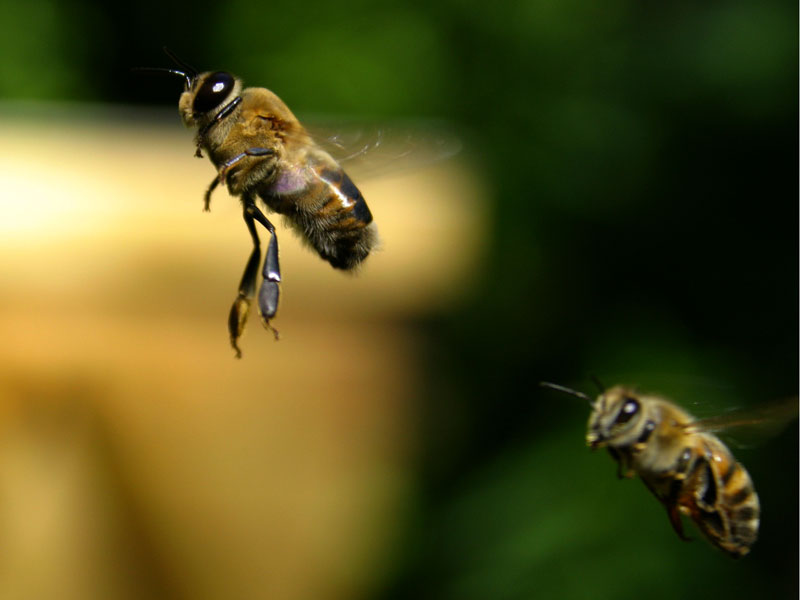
339	224
727	507
740	501
344	194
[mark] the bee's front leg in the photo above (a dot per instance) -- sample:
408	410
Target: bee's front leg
222	176
207	197
232	162
624	469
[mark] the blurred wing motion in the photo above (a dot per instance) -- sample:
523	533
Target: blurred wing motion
750	426
368	149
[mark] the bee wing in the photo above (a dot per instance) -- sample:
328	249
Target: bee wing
368	149
747	427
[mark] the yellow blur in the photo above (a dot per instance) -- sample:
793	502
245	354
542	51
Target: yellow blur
138	458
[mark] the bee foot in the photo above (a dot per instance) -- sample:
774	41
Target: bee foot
268	326
237	320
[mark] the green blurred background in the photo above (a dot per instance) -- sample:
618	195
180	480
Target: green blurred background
639	163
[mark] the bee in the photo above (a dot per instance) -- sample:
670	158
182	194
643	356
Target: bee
686	467
262	152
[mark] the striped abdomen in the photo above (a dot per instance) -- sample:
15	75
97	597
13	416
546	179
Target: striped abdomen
719	496
329	211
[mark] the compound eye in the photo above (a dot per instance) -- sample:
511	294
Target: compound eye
629	409
213	92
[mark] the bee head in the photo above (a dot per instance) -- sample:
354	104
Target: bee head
203	93
208	93
614	413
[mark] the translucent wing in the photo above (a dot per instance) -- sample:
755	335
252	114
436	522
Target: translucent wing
368	149
749	426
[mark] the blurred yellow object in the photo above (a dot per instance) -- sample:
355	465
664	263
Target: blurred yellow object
138	458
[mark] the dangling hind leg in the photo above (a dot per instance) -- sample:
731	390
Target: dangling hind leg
247	289
270	290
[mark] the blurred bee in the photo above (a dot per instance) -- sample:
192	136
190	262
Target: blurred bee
681	461
261	150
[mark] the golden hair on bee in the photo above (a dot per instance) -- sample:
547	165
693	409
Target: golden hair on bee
686	467
262	152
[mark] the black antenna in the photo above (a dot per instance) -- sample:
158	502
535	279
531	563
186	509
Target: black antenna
164	70
566	390
186	71
187	68
601	388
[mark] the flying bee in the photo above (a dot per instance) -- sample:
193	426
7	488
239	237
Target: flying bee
681	461
261	151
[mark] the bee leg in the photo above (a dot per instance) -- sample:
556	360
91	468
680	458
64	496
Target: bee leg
673	505
624	470
675	521
247	288
230	163
269	292
207	197
226	110
270	285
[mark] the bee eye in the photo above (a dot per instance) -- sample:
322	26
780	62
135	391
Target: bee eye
630	408
213	91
